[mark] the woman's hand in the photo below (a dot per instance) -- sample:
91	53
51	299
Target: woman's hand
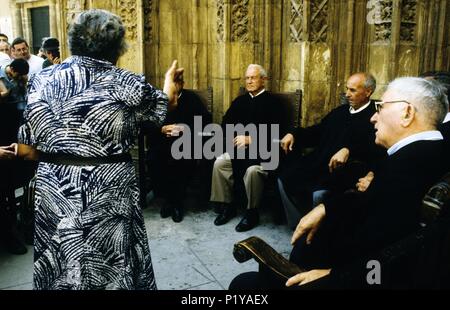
172	75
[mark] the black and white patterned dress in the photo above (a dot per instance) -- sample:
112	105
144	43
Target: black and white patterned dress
89	229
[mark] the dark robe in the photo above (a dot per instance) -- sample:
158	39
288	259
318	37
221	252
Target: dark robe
170	177
302	174
358	225
444	128
245	110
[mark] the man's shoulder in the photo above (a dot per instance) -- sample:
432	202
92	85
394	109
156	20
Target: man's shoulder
36	59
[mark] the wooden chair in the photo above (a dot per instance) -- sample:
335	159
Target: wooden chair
206	96
430	245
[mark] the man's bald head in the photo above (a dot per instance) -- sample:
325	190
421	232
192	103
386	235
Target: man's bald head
360	86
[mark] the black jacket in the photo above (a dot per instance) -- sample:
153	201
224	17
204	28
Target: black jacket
337	129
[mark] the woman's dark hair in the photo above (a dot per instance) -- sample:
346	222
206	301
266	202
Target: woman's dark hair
98	34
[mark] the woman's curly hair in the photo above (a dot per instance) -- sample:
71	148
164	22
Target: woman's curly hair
98	34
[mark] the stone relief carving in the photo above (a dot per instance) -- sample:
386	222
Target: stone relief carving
128	12
296	21
73	8
148	29
408	20
383	26
239	20
220	20
319	21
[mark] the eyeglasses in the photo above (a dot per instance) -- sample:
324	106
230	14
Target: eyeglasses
379	104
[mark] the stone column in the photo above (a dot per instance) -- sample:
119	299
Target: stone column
17	19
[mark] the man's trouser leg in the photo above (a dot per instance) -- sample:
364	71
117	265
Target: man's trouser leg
293	214
222	180
254	180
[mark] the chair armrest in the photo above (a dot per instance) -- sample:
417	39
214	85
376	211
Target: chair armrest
264	254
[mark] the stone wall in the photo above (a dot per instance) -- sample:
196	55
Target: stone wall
312	45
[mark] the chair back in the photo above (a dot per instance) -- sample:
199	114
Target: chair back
206	97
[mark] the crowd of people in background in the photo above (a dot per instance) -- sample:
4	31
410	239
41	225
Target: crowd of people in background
17	64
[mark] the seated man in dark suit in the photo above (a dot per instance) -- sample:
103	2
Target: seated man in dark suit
169	176
351	229
344	150
236	181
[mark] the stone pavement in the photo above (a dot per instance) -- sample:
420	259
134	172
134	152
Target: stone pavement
194	254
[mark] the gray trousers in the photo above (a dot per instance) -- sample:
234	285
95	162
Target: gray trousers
222	182
296	210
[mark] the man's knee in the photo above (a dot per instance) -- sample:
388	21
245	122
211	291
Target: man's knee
255	170
222	162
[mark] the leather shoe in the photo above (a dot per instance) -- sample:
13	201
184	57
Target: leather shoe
249	221
177	214
226	215
166	211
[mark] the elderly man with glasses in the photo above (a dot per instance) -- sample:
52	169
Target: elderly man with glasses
350	230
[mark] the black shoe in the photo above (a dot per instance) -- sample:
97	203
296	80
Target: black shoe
249	221
226	215
166	211
177	214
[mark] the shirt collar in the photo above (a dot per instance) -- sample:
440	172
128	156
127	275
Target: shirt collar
257	93
353	111
447	118
430	135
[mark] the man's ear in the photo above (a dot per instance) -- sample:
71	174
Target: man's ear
408	115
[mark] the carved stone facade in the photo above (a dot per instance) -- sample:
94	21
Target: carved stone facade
239	20
128	13
319	20
408	20
383	24
296	21
311	45
73	8
220	20
147	7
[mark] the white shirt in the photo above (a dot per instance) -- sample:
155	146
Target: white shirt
430	135
35	64
4	59
447	118
353	111
257	93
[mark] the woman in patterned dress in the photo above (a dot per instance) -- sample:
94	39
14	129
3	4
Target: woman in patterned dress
81	121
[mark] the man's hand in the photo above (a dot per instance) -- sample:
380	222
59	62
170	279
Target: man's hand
287	143
8	152
242	141
307	276
364	183
171	130
56	61
339	159
309	224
